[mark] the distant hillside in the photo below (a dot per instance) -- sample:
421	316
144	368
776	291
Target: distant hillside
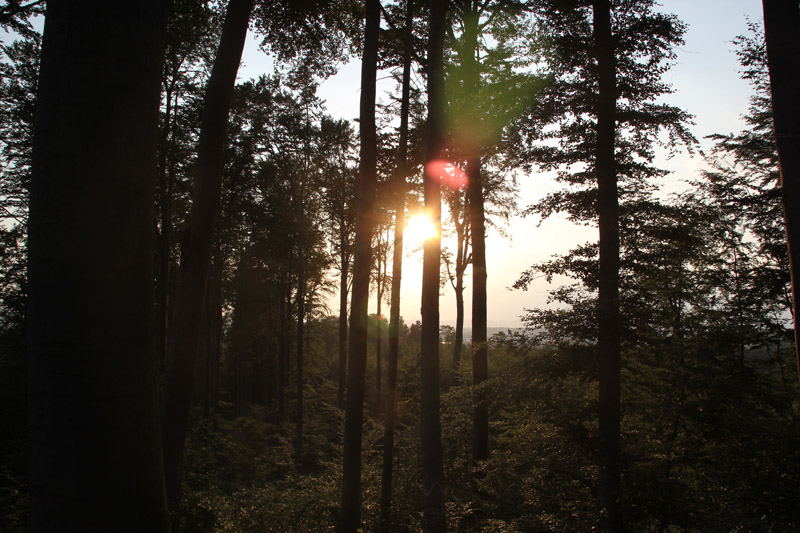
489	332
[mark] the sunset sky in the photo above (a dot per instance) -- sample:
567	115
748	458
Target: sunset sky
706	82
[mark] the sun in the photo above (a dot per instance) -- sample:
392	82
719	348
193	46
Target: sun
420	228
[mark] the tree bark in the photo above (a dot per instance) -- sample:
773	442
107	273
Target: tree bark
390	420
165	237
301	299
196	244
781	29
480	371
462	260
365	223
342	323
95	456
381	275
608	485
433	518
459	333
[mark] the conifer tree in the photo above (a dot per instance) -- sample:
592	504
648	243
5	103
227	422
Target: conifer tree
364	226
607	59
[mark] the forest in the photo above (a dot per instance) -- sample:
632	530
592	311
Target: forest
201	275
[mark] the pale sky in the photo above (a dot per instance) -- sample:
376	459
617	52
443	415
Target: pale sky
707	85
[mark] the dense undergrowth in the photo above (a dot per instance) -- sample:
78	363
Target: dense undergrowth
712	451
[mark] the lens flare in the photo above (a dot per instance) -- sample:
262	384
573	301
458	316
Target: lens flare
447	173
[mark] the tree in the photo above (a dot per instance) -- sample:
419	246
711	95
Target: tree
196	244
608	313
460	216
18	86
433	518
338	180
380	280
96	463
781	25
606	72
400	186
487	94
362	261
745	182
192	34
16	15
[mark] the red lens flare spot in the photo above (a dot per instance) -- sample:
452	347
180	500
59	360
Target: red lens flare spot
447	173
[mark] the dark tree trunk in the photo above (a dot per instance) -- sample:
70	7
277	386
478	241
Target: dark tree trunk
283	355
356	369
608	347
462	224
301	299
480	372
165	237
431	430
390	420
95	459
196	244
782	32
342	323
459	333
378	344
477	223
214	336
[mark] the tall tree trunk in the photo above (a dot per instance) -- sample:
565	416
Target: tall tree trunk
196	244
462	259
342	323
608	347
378	346
283	354
390	419
459	333
95	459
480	427
781	29
214	334
431	430
165	201
480	372
365	216
301	298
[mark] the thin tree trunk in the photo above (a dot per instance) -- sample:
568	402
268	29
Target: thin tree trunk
196	244
480	372
301	298
608	485
378	346
165	200
480	427
215	332
342	323
356	370
781	29
433	518
283	356
462	259
459	333
390	420
95	459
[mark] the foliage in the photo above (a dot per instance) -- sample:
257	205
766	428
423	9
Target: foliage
711	405
19	64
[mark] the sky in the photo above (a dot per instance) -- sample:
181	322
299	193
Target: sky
705	78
